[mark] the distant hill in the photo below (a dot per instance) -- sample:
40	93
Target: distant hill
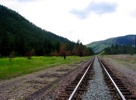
19	35
122	40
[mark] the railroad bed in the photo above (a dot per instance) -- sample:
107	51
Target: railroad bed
96	82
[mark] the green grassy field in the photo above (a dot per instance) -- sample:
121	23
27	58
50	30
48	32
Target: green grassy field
20	65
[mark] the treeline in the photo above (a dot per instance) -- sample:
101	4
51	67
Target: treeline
20	37
19	45
120	49
78	49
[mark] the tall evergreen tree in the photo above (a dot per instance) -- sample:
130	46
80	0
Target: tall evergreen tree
5	45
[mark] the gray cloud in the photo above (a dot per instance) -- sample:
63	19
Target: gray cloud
98	8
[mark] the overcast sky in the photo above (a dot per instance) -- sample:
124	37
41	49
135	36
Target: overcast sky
86	20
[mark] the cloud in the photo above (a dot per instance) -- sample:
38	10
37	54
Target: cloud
103	7
97	8
133	13
25	0
80	14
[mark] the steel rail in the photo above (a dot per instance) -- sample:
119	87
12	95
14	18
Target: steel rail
71	96
118	90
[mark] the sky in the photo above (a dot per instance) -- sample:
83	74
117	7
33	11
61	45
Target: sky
84	20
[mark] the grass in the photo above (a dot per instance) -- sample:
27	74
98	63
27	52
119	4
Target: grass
125	58
21	66
128	61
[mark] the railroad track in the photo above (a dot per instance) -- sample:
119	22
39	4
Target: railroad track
76	89
117	88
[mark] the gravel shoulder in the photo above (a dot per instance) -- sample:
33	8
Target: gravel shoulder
123	70
25	86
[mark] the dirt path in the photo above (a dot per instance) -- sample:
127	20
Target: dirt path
23	87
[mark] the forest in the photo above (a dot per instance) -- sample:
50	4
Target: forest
19	37
120	49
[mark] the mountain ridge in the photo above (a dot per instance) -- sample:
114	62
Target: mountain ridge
20	35
98	46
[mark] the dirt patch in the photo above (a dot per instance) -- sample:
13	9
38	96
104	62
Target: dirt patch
123	70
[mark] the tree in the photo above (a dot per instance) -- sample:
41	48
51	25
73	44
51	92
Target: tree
120	49
11	55
20	46
80	50
63	51
5	45
91	52
55	53
135	45
130	49
75	50
30	53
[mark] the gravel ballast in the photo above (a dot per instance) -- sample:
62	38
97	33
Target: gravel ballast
97	89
